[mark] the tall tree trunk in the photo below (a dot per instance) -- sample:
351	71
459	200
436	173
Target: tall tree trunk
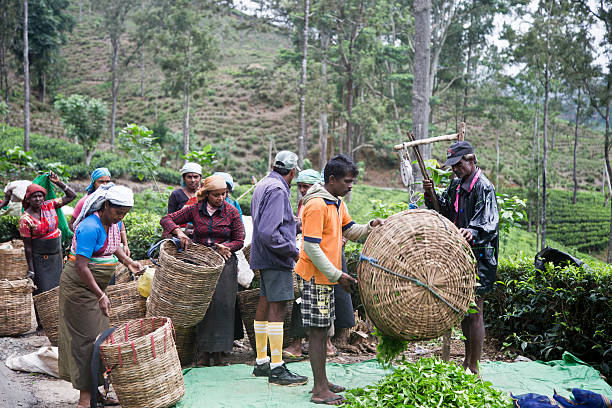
323	120
114	85
420	88
466	89
26	80
544	153
302	87
186	119
142	61
576	147
80	9
497	158
349	112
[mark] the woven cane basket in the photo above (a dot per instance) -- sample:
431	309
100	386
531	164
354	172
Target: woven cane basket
144	367
123	274
438	275
247	300
185	340
247	252
126	303
13	264
182	290
47	306
15	306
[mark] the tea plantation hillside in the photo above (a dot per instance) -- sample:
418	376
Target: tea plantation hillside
584	226
247	103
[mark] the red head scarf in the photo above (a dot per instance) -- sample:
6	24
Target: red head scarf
32	188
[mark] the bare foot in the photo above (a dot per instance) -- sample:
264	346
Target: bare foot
327	398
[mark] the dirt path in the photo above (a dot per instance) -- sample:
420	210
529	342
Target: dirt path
18	389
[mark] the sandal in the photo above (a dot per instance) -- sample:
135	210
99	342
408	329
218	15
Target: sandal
334	388
329	401
108	401
288	356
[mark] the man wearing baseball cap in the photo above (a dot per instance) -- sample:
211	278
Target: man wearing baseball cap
469	201
273	253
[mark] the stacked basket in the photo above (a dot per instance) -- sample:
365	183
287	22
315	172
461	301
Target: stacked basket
15	290
182	288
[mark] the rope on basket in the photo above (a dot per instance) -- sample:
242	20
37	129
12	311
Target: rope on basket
374	263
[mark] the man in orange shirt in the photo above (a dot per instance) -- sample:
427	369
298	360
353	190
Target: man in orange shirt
325	220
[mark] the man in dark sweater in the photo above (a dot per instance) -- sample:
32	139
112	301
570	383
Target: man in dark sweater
470	202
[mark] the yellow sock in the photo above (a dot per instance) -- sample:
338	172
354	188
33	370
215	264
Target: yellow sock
261	339
275	333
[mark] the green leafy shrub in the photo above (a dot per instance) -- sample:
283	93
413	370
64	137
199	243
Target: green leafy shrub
9	228
546	313
428	383
143	230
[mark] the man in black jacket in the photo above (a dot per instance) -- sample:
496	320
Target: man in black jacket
469	201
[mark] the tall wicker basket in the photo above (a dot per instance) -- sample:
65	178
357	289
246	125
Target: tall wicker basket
13	264
247	300
15	306
144	366
47	306
416	275
185	340
126	303
184	283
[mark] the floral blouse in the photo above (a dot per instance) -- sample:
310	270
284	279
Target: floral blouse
46	227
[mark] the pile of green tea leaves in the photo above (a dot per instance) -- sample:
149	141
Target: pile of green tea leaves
428	383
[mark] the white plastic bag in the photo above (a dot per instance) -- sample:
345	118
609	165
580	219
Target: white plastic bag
42	361
245	274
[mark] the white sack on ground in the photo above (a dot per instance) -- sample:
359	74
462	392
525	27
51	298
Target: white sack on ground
42	361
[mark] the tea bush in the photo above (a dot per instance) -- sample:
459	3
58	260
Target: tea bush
546	313
9	228
143	230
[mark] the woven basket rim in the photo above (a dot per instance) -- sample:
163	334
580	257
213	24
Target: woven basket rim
218	259
121	343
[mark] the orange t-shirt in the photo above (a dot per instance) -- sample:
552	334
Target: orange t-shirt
322	223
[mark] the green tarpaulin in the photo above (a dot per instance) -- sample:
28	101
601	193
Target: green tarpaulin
543	378
43	181
234	386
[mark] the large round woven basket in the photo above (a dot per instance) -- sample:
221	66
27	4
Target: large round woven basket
123	274
185	340
15	306
144	367
126	303
247	300
184	283
47	306
13	264
416	275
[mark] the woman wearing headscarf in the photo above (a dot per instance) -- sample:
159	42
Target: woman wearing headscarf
190	183
216	224
83	305
99	177
38	226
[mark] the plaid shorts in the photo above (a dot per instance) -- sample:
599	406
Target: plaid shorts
318	304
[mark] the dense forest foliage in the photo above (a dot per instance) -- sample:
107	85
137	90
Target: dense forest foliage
532	80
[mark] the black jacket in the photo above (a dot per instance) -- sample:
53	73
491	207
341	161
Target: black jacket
477	213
